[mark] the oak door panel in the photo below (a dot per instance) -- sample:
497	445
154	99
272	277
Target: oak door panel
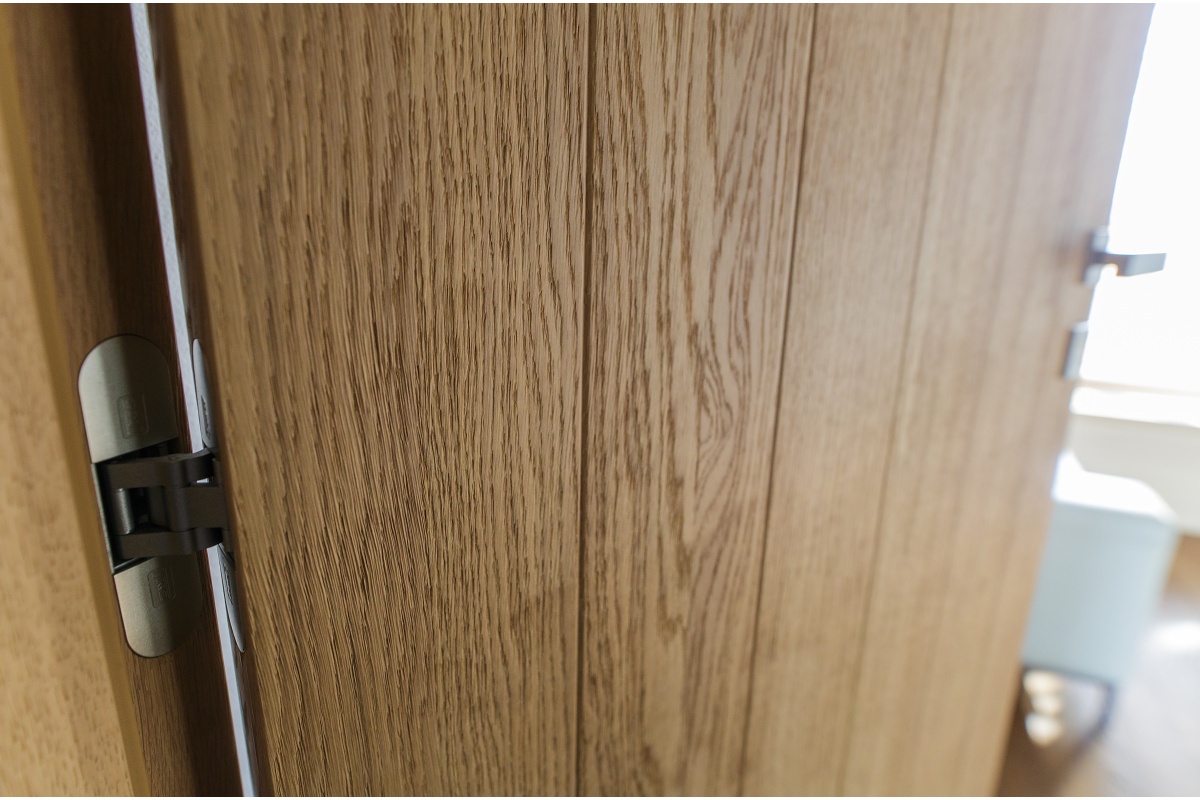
503	314
1066	188
953	164
990	74
869	131
386	217
697	120
1001	237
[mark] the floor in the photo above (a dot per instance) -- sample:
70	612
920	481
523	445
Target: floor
1151	743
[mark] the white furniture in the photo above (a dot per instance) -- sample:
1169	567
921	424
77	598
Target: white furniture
1110	546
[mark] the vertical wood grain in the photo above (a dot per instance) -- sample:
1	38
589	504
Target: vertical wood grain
990	73
873	104
920	410
1087	101
66	712
697	120
79	103
1002	235
385	212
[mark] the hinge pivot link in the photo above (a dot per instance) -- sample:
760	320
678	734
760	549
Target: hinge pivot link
167	505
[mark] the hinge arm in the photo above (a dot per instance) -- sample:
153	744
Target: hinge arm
165	505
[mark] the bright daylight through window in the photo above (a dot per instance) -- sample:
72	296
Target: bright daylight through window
1145	331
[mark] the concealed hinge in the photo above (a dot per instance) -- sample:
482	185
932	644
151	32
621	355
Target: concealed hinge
1076	342
158	509
169	505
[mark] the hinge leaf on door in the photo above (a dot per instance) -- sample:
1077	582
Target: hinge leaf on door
159	509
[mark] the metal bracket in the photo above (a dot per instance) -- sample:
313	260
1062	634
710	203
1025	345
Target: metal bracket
1127	264
1076	343
1098	259
169	505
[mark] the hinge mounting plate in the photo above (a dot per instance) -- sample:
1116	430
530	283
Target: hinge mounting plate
158	509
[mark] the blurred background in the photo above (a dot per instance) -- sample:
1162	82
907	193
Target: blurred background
1110	700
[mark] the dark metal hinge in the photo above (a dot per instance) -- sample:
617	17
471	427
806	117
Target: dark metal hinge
168	505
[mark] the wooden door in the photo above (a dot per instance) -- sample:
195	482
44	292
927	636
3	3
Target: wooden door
639	400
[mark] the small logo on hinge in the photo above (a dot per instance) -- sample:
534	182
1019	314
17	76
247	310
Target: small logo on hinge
134	419
162	587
